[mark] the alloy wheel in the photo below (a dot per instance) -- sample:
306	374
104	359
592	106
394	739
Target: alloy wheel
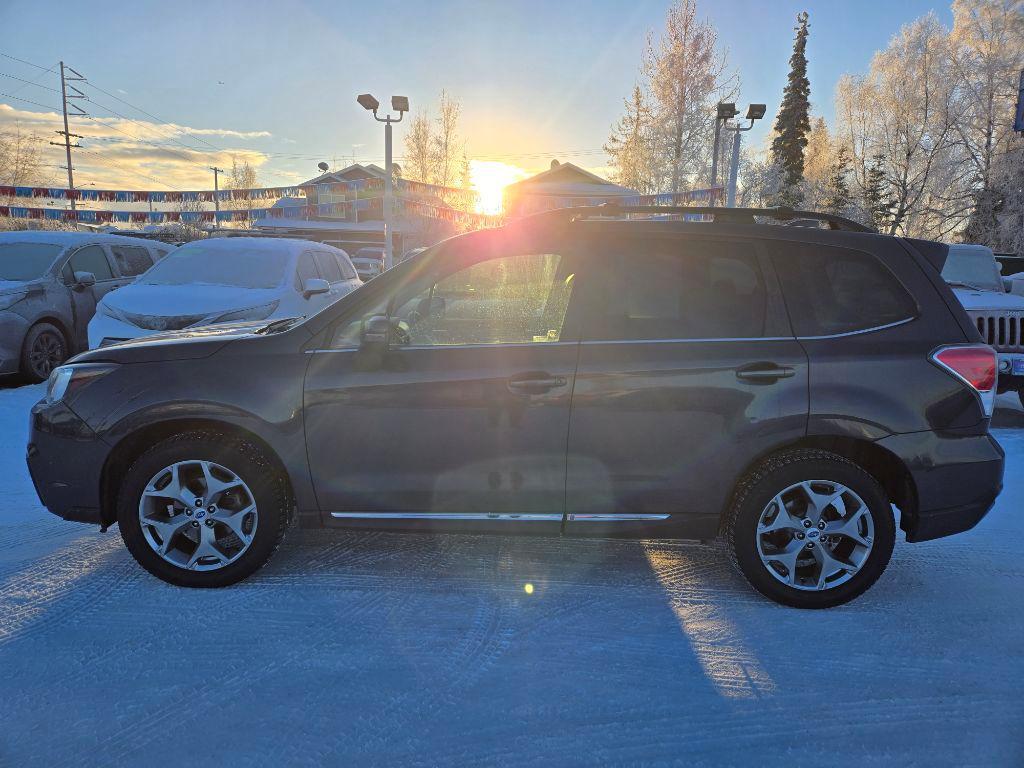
198	515
47	353
815	535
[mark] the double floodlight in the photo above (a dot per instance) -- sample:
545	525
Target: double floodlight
370	104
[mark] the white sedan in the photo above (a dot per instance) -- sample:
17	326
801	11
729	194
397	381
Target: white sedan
224	280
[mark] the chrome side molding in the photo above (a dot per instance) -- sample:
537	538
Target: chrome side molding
510	516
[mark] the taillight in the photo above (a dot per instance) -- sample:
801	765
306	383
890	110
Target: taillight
976	366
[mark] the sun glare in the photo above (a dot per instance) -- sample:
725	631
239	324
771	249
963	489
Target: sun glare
489	179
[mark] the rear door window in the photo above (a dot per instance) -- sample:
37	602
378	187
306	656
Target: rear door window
664	291
833	290
131	261
91	258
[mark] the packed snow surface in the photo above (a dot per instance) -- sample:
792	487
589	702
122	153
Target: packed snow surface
355	649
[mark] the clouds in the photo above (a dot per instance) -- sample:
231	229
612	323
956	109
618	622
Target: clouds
121	153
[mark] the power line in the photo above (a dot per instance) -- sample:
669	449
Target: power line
108	161
22	61
29	101
31	82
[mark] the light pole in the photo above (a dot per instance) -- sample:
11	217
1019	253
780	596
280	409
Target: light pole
754	112
216	195
726	111
401	105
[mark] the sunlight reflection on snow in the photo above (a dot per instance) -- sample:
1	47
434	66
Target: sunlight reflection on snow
727	662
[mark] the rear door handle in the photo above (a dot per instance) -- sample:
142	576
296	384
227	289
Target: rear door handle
535	383
764	373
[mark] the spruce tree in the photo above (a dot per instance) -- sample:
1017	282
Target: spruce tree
876	199
793	122
838	194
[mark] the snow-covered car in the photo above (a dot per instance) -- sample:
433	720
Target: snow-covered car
225	280
973	274
50	283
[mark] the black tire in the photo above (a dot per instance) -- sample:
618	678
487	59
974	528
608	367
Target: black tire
43	350
756	490
269	491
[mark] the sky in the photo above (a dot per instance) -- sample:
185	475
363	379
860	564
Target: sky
275	82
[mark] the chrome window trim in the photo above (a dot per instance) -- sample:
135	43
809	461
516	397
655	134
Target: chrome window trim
862	330
641	341
458	346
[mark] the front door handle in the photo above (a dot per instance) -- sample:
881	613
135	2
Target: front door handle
535	383
764	373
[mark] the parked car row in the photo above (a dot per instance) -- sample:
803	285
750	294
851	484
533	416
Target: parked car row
64	292
50	284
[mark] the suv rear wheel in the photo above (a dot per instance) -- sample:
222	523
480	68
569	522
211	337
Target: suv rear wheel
202	510
810	529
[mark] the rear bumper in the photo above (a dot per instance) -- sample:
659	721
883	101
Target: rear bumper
957	479
65	459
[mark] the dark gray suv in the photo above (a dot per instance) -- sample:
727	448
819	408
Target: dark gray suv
581	372
50	283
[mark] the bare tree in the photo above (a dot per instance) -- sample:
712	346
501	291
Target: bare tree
21	159
241	176
419	148
448	147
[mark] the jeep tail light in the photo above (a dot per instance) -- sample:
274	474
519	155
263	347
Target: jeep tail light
975	365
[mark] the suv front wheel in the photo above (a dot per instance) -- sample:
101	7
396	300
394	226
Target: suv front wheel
810	529
202	510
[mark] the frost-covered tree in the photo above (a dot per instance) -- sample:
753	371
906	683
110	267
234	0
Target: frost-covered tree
838	198
631	147
686	75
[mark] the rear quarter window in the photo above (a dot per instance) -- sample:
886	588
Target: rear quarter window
832	290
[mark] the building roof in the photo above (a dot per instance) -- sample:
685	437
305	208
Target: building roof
568	180
349	173
337	225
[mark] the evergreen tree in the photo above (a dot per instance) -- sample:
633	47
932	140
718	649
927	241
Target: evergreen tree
793	122
837	199
876	199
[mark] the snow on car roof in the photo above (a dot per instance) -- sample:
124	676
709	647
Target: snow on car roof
56	237
285	245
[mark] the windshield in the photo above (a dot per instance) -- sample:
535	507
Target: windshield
26	261
974	269
238	268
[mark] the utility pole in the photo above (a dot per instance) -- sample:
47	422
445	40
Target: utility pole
66	133
216	194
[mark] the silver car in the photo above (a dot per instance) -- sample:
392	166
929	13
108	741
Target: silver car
50	283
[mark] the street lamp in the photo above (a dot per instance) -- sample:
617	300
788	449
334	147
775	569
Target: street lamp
726	111
399	104
754	112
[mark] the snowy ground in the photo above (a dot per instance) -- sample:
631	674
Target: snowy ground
372	649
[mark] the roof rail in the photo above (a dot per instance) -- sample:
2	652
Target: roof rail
719	215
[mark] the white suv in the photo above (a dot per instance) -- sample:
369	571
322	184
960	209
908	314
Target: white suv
224	280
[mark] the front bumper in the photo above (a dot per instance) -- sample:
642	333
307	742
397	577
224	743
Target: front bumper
957	479
13	328
65	459
104	331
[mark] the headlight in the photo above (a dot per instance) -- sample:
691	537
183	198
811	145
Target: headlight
66	379
252	313
108	311
9	300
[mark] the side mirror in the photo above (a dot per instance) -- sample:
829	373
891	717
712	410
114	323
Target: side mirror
376	333
84	280
314	286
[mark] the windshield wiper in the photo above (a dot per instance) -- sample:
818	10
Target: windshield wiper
279	325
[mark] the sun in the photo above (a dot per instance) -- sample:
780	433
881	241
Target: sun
489	179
